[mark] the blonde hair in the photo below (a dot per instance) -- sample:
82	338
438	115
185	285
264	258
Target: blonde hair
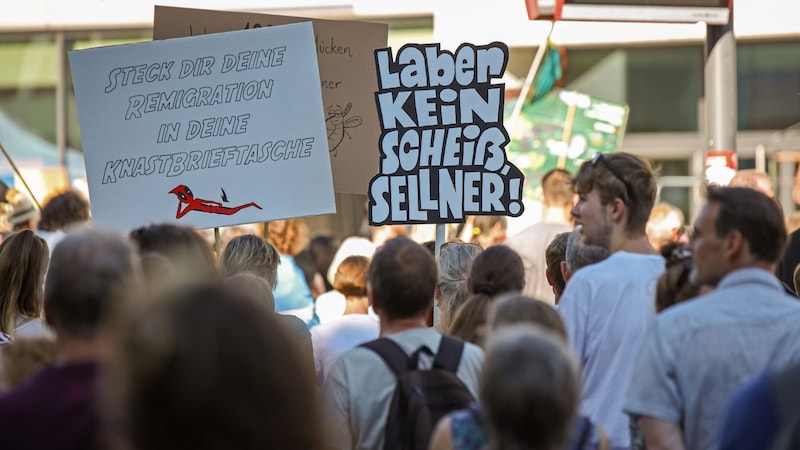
455	263
251	253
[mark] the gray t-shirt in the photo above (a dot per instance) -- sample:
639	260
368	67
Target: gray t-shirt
358	389
697	354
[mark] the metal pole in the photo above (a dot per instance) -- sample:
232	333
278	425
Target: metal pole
721	93
441	236
61	103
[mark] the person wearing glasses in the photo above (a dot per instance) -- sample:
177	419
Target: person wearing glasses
607	307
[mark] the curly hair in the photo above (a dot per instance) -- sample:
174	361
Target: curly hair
289	236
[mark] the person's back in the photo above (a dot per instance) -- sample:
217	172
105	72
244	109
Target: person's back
92	275
357	392
532	242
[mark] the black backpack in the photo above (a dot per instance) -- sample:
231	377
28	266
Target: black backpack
422	396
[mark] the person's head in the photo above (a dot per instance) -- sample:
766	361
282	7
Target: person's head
554	254
664	225
580	255
322	250
529	389
23	263
753	179
93	274
23	358
289	236
674	285
557	190
351	276
190	254
251	253
24	214
401	280
616	192
489	231
516	309
737	228
496	270
253	286
455	263
64	210
208	368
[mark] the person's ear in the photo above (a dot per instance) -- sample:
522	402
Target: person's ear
734	246
618	210
564	271
549	278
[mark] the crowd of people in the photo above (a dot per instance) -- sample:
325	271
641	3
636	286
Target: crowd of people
609	325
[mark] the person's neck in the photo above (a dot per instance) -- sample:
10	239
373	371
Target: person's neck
356	305
74	350
552	214
633	244
392	326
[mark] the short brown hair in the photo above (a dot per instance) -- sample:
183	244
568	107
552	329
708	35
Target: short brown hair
402	276
516	309
556	252
557	188
351	276
640	193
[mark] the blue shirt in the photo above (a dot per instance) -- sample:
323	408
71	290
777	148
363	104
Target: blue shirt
699	353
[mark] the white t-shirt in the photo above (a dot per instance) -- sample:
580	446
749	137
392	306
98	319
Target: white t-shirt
330	306
607	309
335	337
35	328
357	392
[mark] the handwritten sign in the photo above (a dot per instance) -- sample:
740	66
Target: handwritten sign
443	141
207	131
347	79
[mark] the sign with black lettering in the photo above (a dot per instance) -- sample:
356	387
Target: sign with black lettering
206	131
442	146
347	79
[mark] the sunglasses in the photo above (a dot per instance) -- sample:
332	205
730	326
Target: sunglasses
600	158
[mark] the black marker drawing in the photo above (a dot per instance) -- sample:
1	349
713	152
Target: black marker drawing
337	126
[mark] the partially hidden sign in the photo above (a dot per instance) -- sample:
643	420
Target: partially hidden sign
347	79
206	131
442	146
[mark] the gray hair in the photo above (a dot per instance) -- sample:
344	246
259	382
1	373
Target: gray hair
529	388
455	263
579	255
251	253
93	273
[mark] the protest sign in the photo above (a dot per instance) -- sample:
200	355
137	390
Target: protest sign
442	146
347	79
562	130
207	131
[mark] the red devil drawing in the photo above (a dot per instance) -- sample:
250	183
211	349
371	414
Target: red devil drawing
189	203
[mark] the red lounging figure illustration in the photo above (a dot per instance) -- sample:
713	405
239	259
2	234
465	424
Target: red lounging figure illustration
189	203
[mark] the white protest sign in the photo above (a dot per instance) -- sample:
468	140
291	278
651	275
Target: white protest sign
443	142
206	131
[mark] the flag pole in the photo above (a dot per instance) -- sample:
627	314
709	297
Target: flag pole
19	174
528	83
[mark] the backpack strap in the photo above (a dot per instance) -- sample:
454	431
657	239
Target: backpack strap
391	353
448	357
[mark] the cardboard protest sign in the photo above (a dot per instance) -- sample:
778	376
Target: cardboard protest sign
442	148
562	130
347	78
207	131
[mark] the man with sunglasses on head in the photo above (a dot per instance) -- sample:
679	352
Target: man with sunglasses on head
607	307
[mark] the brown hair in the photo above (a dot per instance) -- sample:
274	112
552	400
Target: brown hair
557	188
63	209
23	263
289	236
351	276
636	171
556	252
495	271
402	276
513	309
198	370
